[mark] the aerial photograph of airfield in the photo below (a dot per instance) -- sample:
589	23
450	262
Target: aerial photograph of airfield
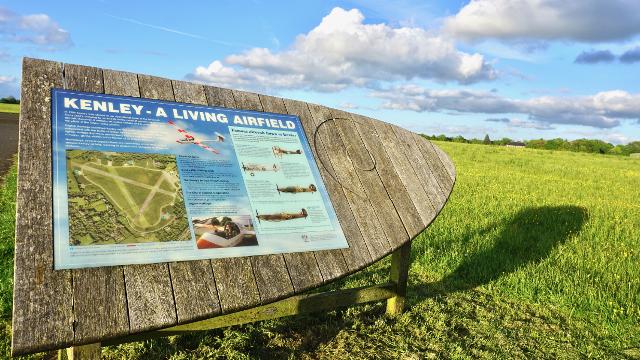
124	198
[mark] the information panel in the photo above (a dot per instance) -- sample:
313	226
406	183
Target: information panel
143	181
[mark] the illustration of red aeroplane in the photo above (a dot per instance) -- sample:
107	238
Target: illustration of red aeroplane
190	139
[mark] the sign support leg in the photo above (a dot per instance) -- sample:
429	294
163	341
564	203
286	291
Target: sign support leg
400	260
83	352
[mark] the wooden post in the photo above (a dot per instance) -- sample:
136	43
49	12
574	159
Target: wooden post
400	260
84	352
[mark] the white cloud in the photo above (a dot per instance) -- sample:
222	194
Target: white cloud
343	51
583	20
6	79
519	123
602	110
38	29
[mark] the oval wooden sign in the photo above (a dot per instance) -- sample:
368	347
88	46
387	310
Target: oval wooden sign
387	185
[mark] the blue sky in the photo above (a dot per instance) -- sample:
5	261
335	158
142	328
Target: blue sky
518	68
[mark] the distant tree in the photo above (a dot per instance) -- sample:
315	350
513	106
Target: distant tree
486	140
459	139
504	141
536	144
9	100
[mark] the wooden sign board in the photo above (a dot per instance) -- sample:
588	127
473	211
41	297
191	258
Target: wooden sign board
385	183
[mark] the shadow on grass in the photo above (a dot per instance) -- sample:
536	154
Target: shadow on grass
527	237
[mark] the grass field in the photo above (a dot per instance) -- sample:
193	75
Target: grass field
10	108
536	255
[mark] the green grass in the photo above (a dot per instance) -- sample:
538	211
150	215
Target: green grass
10	108
536	255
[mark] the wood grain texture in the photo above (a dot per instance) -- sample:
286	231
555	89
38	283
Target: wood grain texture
304	270
99	296
391	182
407	175
270	271
347	161
421	167
446	161
120	83
236	283
435	164
149	293
194	286
331	263
219	97
42	297
240	291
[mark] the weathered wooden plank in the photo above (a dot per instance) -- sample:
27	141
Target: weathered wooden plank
422	169
373	188
187	92
83	78
154	87
405	171
194	287
42	297
435	164
121	83
330	262
374	235
350	206
302	267
219	97
272	276
99	296
149	293
247	100
390	181
236	284
446	161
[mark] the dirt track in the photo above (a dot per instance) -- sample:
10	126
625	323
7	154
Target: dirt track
8	140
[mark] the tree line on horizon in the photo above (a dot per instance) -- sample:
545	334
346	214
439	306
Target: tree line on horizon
579	145
9	100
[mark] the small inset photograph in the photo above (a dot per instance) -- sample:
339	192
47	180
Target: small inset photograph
224	231
278	151
124	198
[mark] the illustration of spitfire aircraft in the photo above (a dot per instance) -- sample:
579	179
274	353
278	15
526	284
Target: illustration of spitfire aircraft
297	189
253	168
278	151
190	139
283	216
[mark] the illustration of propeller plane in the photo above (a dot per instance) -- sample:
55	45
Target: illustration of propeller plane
190	139
297	189
253	168
283	216
278	151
